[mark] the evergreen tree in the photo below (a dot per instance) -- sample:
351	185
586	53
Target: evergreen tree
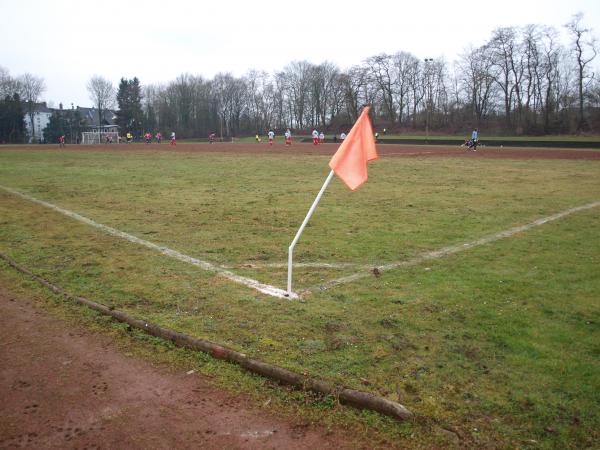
129	98
12	123
56	127
62	122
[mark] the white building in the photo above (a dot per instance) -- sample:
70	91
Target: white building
41	117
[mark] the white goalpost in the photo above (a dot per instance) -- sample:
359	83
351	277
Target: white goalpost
99	137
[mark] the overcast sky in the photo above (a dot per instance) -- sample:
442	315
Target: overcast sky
66	42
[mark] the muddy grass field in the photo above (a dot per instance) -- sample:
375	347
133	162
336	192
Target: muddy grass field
482	318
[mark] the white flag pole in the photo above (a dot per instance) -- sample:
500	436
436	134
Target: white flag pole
306	219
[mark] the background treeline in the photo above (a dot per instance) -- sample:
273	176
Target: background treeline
521	81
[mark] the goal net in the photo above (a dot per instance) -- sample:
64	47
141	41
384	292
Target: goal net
95	137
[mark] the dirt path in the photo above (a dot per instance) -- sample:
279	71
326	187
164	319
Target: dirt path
69	388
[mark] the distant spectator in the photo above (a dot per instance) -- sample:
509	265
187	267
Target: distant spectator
321	137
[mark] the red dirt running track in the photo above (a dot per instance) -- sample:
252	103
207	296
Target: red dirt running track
398	150
63	387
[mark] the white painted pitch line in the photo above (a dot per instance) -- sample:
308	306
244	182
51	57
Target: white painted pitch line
280	265
368	271
264	288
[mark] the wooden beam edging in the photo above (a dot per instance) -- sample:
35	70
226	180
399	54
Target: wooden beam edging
358	399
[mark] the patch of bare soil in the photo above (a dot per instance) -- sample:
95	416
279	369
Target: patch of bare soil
70	388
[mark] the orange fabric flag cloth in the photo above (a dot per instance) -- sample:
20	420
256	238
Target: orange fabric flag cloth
350	161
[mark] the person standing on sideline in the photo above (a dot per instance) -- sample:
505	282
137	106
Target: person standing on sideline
315	136
271	136
321	137
173	140
342	136
288	137
474	139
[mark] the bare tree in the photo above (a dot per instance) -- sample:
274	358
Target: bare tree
502	49
477	81
102	93
322	87
353	82
548	73
585	51
230	95
381	71
416	87
31	91
402	65
297	76
8	85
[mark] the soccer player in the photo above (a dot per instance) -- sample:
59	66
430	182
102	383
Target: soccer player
288	137
158	137
474	139
61	140
342	136
173	140
321	137
129	137
271	136
315	136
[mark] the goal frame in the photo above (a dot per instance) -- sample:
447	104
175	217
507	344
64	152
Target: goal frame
98	137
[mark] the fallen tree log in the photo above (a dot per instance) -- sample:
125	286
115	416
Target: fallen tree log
358	399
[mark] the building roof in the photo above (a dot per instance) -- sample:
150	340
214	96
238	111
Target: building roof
90	115
41	108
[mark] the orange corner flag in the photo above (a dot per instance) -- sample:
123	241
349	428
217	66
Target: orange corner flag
350	161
